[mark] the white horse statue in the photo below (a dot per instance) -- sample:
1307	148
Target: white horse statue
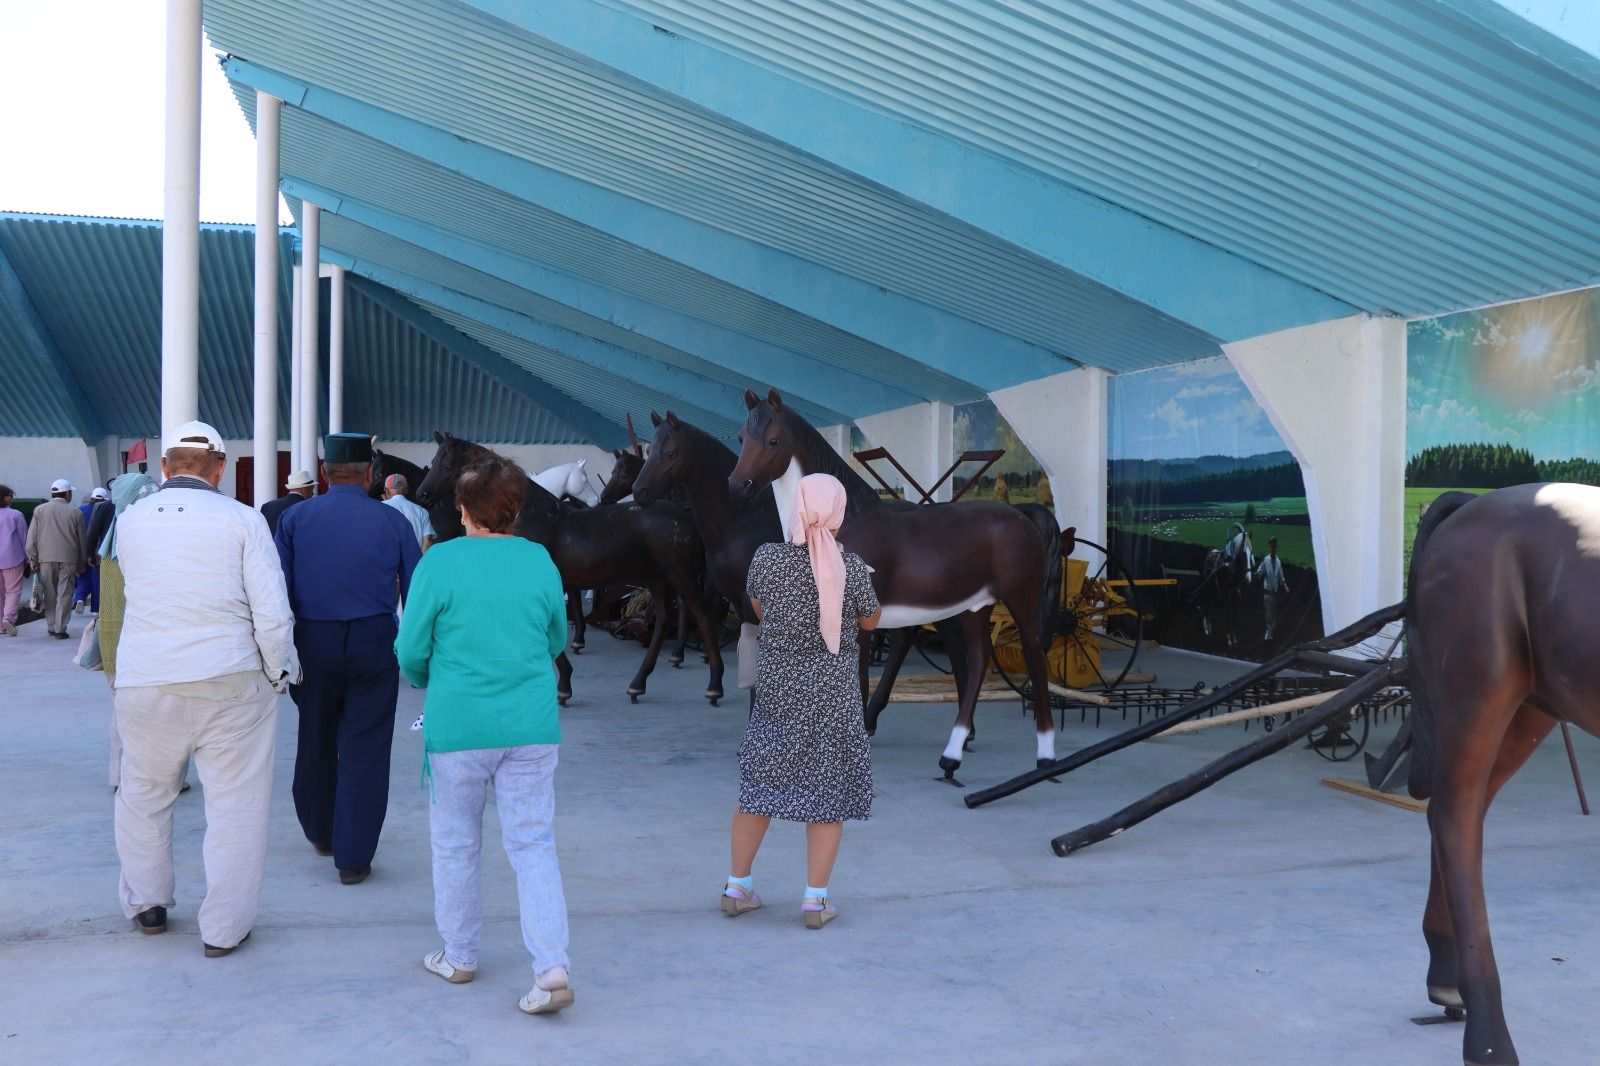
568	479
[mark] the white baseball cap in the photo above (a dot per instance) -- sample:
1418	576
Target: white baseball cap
60	484
195	435
99	494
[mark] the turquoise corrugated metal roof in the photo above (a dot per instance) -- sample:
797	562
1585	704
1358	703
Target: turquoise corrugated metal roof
1395	154
96	284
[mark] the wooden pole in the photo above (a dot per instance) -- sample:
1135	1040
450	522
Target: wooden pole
1577	778
1266	710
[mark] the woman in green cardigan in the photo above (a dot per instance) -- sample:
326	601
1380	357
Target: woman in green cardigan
482	626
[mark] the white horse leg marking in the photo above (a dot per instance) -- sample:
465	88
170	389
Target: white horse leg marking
1047	744
958	738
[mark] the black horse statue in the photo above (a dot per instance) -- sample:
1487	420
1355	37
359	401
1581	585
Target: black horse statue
442	513
619	486
600	546
930	563
1501	617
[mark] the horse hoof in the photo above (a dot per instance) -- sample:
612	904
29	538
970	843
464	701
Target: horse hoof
577	649
562	700
634	694
949	766
675	660
1446	997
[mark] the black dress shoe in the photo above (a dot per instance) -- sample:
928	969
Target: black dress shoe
59	636
217	953
322	848
152	921
354	877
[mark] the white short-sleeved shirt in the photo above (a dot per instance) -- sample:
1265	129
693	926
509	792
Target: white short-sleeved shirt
416	514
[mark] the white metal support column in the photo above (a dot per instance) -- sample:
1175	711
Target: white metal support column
310	320
336	349
1336	392
180	221
1063	421
265	449
920	437
297	445
838	438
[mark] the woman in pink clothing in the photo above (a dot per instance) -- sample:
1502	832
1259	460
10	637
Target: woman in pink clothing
13	559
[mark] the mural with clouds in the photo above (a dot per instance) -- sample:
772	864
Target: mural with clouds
1502	396
1193	458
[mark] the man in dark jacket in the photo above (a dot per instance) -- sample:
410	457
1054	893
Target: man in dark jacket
299	486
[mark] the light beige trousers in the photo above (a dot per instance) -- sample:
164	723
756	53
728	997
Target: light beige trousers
229	726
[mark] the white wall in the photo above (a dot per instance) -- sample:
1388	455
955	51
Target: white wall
1063	421
29	464
1336	393
920	437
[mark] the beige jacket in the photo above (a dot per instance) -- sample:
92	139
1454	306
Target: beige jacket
55	535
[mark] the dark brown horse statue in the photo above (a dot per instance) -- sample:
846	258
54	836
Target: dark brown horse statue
1501	617
619	486
600	546
930	563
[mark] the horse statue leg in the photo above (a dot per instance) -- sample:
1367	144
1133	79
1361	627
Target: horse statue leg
969	680
563	679
708	637
660	597
675	656
575	616
899	647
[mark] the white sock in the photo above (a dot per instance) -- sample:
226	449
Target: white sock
748	883
816	893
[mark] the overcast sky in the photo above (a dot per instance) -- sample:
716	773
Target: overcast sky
82	119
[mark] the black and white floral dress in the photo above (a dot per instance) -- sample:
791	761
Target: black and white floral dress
805	756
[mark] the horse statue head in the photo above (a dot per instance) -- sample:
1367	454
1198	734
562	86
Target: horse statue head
624	472
453	456
669	461
768	443
568	479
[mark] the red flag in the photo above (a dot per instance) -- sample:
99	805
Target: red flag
136	454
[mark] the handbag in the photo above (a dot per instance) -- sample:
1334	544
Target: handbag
88	655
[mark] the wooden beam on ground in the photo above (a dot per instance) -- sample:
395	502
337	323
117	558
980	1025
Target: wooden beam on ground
1266	710
1391	798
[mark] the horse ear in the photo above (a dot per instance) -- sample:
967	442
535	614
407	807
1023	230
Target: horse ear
750	400
438	438
672	420
655	419
774	399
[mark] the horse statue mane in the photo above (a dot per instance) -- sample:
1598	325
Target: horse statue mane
824	460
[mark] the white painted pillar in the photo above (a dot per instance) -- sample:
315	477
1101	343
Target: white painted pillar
336	349
1063	421
297	444
265	449
838	438
180	221
1336	393
310	319
920	437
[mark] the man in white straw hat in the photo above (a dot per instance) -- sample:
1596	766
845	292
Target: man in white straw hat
207	645
57	551
299	487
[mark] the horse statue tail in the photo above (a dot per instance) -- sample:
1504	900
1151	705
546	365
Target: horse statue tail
1044	520
1419	781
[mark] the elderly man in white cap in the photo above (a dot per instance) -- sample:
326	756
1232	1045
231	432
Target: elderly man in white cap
56	549
299	487
207	646
87	593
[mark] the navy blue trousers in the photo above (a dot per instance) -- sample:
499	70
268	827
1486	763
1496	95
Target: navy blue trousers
346	701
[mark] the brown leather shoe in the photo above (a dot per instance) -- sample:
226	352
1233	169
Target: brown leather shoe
322	848
354	877
217	953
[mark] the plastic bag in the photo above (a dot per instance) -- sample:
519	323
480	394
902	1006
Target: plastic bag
88	655
33	594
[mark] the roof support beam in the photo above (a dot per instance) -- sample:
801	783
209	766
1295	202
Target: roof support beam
849	395
585	420
670	382
934	336
1195	282
86	420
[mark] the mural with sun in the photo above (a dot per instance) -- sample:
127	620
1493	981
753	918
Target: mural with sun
1503	396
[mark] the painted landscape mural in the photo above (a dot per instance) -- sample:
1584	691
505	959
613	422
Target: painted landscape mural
1502	396
1193	462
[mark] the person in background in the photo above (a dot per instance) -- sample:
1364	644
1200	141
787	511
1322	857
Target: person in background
344	555
805	756
1273	586
56	550
485	650
395	488
87	592
298	488
205	651
13	559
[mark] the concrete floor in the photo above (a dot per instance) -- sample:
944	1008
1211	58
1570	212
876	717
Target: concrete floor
1269	920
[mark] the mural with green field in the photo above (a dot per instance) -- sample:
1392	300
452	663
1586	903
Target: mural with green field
1502	396
1193	460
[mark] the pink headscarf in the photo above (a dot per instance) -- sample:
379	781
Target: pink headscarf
818	512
